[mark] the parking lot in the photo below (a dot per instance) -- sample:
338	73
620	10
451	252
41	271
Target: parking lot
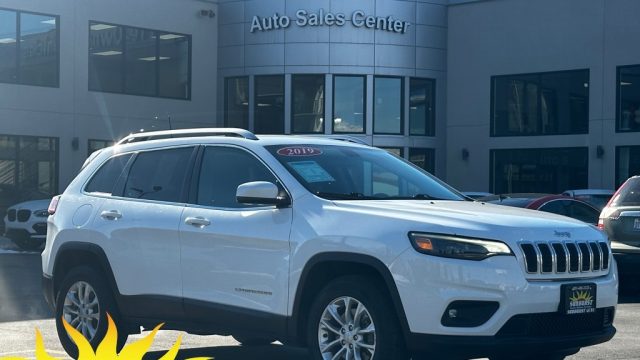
22	309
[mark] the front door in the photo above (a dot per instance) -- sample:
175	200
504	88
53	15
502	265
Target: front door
235	257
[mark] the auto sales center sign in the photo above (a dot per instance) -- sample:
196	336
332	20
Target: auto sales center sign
304	18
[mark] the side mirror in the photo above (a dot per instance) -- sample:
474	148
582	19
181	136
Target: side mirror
261	193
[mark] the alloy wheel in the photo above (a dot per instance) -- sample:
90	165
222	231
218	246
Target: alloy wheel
82	309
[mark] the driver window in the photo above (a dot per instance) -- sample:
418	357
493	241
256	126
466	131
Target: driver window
223	170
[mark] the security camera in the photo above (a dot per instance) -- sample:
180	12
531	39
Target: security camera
207	13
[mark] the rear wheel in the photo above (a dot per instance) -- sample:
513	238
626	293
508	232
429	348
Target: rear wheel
83	301
351	319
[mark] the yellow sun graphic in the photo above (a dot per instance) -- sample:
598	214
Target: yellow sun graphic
107	349
581	296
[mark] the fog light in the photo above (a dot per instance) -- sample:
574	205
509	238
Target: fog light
468	313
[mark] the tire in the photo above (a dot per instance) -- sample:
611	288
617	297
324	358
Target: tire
370	308
252	341
100	301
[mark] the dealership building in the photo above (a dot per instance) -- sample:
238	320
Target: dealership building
489	95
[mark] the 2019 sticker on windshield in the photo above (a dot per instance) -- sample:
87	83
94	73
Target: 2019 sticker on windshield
311	171
299	151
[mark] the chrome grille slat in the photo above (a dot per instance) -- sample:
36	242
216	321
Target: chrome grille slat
555	257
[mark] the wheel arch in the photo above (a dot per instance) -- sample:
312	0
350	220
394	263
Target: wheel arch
321	268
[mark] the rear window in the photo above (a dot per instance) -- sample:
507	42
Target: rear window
629	194
104	180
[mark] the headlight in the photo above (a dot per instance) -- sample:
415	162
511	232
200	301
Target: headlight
41	213
457	247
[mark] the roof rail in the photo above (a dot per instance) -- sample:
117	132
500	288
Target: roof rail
346	138
170	134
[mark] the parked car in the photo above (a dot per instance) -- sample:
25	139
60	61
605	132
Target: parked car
620	219
598	198
556	204
26	224
337	246
476	194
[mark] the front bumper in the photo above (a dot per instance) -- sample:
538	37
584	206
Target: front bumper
427	285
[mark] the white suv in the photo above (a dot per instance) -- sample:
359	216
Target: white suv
326	243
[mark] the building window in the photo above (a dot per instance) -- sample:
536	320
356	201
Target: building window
269	104
135	61
550	171
236	111
28	169
422	110
423	158
397	151
553	103
388	105
307	112
29	48
95	145
349	104
627	163
628	109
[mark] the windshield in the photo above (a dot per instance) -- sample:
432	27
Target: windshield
352	173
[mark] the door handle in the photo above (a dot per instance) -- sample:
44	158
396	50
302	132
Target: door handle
111	215
197	221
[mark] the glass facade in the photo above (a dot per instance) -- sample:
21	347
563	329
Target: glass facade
627	163
28	169
94	145
628	101
236	103
551	170
423	158
388	105
553	103
349	111
135	61
29	48
269	104
307	113
397	151
422	100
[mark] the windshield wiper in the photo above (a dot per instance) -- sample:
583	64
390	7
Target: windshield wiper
414	197
342	196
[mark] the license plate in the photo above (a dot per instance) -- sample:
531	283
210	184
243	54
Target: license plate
636	224
579	298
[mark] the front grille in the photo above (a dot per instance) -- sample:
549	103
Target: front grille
23	215
565	257
11	215
557	324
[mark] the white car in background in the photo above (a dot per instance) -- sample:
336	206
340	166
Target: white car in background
26	224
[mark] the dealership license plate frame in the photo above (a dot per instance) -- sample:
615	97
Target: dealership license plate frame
583	292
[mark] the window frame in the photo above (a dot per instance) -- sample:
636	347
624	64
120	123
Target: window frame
194	182
324	102
492	123
18	46
124	61
618	99
402	105
364	103
430	126
226	99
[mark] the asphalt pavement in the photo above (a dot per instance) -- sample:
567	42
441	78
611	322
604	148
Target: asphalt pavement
22	310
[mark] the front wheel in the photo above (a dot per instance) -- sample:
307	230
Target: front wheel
351	319
83	301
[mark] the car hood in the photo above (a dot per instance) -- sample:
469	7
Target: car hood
477	219
32	205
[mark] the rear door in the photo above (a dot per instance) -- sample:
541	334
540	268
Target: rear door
235	257
140	223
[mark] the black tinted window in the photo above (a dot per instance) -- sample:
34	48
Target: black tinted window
629	195
158	175
223	170
555	207
105	179
583	212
